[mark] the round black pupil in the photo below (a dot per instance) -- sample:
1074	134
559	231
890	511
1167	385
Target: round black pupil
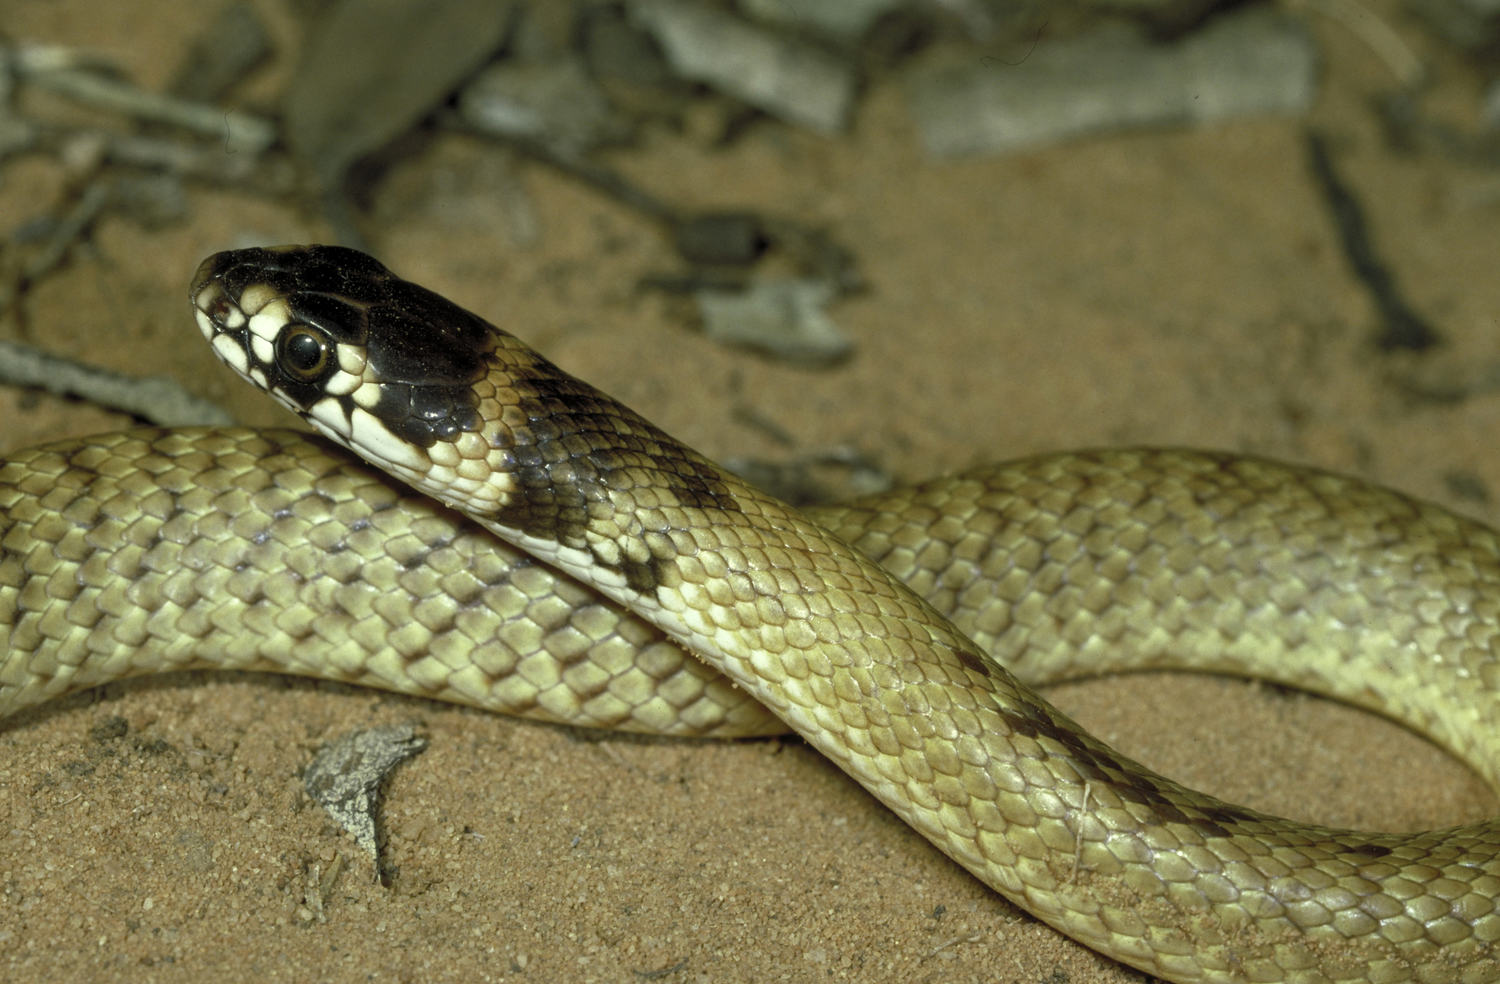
303	352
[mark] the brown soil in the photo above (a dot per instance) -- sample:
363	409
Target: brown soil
1177	288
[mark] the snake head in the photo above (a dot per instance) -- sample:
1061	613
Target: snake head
447	402
374	362
339	339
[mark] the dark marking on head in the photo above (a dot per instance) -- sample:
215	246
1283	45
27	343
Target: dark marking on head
575	454
426	351
327	269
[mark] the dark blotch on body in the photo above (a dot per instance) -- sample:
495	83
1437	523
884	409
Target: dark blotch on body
579	449
1098	763
972	661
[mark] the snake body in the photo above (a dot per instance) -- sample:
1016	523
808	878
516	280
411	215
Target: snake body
136	553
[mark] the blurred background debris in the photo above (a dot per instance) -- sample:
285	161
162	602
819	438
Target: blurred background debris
663	197
1113	77
321	116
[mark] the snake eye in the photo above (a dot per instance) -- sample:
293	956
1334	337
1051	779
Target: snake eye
303	353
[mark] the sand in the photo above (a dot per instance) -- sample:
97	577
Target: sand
1171	288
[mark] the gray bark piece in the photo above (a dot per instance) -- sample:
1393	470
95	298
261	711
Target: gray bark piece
1472	24
63	72
554	103
1253	62
346	774
788	79
843	20
783	318
231	45
372	68
1489	110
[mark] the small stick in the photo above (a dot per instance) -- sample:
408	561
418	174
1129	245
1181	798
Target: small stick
56	69
154	399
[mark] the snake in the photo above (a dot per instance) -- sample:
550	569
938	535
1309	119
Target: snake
506	536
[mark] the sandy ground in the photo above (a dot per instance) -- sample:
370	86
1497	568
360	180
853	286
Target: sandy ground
1164	288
